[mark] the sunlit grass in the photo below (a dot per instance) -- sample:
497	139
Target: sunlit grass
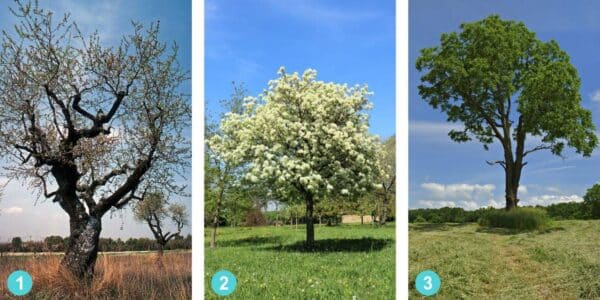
272	263
560	263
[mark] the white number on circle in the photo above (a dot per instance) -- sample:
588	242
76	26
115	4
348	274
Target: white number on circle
428	284
225	280
20	281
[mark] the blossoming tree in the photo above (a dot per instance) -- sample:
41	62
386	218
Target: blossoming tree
305	139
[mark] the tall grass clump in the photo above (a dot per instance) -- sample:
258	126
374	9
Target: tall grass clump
526	218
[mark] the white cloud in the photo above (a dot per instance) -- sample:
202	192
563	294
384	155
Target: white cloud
432	129
467	196
522	189
13	210
595	96
545	200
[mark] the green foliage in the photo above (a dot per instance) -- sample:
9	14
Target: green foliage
419	219
592	200
493	63
524	218
16	243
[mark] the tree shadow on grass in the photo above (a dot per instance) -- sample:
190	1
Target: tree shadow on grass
251	241
336	245
435	226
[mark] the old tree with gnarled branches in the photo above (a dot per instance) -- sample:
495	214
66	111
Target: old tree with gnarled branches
87	125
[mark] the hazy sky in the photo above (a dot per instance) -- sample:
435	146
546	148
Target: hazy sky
445	173
20	215
345	41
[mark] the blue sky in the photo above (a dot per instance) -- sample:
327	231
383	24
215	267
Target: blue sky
445	173
20	215
345	41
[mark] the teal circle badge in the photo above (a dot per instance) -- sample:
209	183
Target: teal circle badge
223	283
428	283
19	283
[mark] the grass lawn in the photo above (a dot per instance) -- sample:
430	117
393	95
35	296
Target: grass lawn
561	263
270	262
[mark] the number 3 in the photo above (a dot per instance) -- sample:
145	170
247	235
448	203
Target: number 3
428	284
225	280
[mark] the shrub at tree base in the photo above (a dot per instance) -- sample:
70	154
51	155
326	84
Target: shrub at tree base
519	219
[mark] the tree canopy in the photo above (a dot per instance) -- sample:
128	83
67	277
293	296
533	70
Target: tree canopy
303	138
505	85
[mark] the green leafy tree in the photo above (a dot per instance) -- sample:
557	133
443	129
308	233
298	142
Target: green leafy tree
387	178
506	86
592	200
305	139
16	244
222	176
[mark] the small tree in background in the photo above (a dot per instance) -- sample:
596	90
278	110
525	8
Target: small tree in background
221	175
506	86
592	200
154	210
387	177
303	138
16	244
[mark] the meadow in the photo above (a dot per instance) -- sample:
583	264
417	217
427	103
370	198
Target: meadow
118	276
271	262
562	262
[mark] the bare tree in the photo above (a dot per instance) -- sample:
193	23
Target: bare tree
153	210
87	125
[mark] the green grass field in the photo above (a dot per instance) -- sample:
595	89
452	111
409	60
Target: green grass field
560	263
270	262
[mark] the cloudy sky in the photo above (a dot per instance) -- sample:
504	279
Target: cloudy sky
445	173
20	213
345	41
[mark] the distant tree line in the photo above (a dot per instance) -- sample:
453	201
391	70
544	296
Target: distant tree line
558	211
57	244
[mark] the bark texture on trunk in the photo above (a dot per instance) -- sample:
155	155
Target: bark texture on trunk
82	250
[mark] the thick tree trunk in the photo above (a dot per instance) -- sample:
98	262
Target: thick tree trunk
310	229
82	250
512	178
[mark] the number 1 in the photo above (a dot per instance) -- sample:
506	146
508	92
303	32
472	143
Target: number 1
20	281
225	280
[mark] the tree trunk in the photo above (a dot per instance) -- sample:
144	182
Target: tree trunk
161	250
512	178
362	222
215	224
384	209
310	229
82	249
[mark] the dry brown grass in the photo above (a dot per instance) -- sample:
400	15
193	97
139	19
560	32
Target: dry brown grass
117	277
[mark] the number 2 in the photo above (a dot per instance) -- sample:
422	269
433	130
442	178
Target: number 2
428	284
225	280
20	281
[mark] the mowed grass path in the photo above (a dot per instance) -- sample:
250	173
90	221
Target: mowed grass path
270	263
561	263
